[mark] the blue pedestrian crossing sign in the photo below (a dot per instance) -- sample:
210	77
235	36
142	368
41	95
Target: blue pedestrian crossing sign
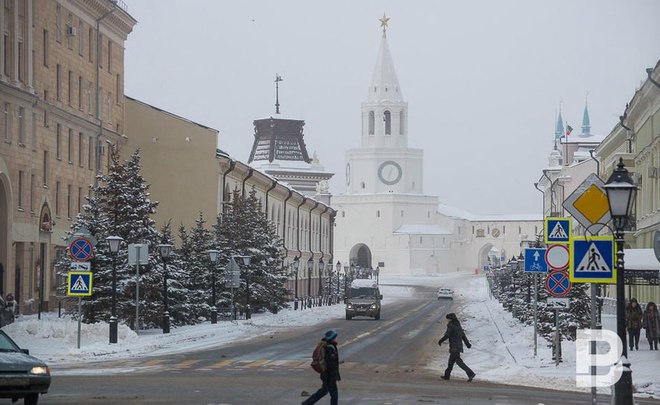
557	230
592	260
79	284
535	260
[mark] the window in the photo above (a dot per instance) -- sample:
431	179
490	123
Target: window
118	90
90	153
81	44
33	183
45	169
58	80
80	197
33	131
58	142
19	60
90	38
377	213
108	101
21	126
45	48
80	149
80	93
371	122
402	213
99	40
402	122
21	185
387	117
58	23
57	198
70	147
69	26
69	189
90	86
70	90
109	56
46	110
7	123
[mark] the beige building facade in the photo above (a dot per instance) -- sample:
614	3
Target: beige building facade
61	93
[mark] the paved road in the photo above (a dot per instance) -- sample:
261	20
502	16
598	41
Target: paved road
384	363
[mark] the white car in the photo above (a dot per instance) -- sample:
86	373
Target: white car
445	292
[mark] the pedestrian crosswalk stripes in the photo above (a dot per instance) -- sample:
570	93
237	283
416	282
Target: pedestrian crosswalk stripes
186	364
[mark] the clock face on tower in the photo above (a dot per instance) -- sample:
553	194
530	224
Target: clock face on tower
389	172
348	174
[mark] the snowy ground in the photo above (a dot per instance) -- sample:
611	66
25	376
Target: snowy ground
502	350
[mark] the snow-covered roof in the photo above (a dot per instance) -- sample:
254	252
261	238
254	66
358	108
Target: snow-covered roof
453	212
278	117
364	283
640	259
284	165
422	230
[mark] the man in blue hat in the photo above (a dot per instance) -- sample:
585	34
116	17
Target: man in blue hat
330	371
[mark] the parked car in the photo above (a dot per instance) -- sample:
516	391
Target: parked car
21	375
6	312
445	292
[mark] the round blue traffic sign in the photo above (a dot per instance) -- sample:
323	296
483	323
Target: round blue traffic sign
558	284
81	250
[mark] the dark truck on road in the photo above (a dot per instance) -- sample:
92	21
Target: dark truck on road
363	299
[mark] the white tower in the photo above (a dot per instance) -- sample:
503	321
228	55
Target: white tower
384	163
383	219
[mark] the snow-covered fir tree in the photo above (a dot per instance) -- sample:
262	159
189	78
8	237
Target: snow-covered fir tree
196	267
244	230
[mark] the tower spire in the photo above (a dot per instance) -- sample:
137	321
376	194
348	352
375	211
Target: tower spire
586	124
559	128
278	79
383	24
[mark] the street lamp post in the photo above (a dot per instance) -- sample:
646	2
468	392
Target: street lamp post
621	193
114	242
296	265
329	283
213	256
345	284
321	267
246	262
378	275
310	266
338	271
165	249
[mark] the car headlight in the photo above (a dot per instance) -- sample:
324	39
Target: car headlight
374	306
349	306
40	370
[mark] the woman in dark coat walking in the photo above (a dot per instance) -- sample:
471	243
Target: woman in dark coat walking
633	323
456	337
651	322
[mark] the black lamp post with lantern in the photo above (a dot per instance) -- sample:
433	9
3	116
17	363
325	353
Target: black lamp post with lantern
621	192
113	243
321	267
213	257
165	250
296	265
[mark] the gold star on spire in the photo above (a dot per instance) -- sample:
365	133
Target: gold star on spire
383	23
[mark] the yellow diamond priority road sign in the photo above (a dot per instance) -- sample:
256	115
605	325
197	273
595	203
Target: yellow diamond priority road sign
588	204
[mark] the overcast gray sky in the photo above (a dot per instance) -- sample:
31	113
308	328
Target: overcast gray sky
483	78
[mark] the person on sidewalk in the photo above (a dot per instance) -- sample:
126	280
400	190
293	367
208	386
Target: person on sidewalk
456	337
633	323
651	323
330	375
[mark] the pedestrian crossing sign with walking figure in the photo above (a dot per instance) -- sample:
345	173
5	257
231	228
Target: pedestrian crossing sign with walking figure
557	230
79	284
592	260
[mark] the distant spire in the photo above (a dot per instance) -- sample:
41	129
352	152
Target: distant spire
559	128
586	125
384	83
278	79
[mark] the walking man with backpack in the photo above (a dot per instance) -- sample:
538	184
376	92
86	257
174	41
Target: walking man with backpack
325	360
456	338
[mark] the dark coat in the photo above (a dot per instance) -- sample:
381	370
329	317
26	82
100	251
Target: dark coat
651	322
456	337
331	372
633	317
